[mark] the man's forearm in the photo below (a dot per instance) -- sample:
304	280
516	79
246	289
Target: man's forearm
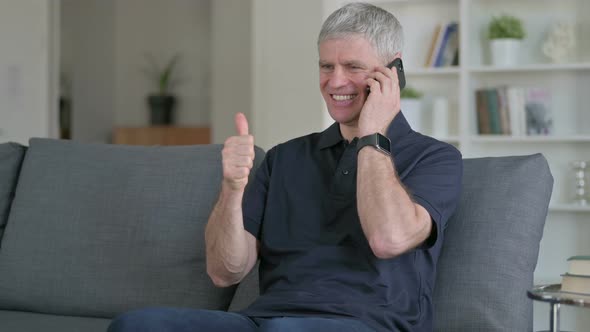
229	247
391	221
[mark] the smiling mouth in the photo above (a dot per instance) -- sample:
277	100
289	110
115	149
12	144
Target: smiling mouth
342	97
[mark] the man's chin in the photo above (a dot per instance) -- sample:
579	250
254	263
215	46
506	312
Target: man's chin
344	116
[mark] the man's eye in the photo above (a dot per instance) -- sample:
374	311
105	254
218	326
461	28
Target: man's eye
326	67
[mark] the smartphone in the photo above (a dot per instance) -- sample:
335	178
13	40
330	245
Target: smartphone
399	67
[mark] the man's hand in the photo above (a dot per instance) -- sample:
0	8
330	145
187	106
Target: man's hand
382	104
238	156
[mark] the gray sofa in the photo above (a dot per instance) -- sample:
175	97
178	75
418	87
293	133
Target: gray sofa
88	231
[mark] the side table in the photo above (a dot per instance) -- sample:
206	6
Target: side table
555	297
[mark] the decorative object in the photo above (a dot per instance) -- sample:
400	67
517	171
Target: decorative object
411	105
162	102
539	118
580	168
505	33
560	42
440	117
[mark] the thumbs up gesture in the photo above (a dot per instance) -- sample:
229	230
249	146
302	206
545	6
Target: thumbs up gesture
238	155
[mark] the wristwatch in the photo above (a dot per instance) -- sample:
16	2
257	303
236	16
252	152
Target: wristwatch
377	141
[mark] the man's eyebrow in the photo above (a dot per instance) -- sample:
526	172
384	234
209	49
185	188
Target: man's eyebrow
348	63
355	63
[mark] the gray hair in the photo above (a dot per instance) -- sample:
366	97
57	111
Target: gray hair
375	24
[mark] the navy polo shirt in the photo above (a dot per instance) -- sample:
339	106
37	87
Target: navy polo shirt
314	257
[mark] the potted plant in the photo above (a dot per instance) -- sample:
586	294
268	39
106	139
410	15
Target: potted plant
162	102
411	105
505	33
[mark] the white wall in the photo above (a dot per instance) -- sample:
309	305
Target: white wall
287	102
231	60
104	47
88	61
27	103
163	28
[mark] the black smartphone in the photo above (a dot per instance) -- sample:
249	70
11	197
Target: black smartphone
399	67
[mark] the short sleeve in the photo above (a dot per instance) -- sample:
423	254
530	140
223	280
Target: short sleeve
254	200
435	183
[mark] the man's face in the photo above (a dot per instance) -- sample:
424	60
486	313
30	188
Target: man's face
344	68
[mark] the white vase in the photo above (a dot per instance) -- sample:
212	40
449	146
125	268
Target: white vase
505	51
412	110
440	117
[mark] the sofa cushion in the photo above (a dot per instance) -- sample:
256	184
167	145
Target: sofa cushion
492	245
11	156
16	321
97	229
247	291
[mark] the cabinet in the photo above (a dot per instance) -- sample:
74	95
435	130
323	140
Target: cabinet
568	226
162	135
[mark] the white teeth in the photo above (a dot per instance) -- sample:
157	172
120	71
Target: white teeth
342	97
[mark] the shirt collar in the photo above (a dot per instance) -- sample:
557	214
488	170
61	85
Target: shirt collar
398	128
330	137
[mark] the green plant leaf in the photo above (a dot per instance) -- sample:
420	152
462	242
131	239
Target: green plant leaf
410	93
163	77
505	26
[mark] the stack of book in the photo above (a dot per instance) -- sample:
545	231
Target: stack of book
577	279
516	111
444	48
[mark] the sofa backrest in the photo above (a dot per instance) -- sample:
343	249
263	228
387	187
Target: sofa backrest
492	246
96	229
490	250
11	157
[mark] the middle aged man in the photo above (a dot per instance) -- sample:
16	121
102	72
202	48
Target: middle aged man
347	223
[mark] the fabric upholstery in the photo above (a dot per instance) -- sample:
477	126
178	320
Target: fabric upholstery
17	321
97	229
246	292
490	251
11	156
492	246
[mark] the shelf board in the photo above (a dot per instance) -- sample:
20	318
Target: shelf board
531	68
433	71
569	208
530	139
448	139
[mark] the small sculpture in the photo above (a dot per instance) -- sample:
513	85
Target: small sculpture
560	42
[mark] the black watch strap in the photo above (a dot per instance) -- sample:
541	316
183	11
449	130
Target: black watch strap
377	141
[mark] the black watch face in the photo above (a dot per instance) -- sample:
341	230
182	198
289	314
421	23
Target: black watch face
383	142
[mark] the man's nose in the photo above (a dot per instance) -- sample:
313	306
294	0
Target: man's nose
338	78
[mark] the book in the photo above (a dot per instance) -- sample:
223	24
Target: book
573	283
433	44
503	110
579	265
448	45
515	97
494	112
443	44
481	105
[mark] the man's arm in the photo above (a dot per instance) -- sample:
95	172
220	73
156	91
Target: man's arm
231	250
391	221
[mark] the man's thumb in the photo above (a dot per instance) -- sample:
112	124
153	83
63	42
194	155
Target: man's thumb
241	124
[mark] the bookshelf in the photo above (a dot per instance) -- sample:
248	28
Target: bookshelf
568	226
